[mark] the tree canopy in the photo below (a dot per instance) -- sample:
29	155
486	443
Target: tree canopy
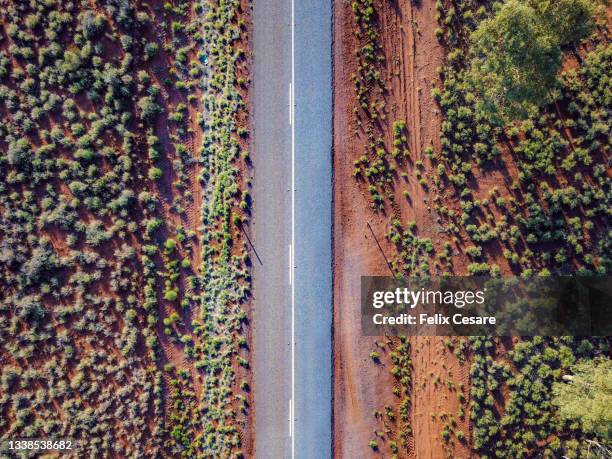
517	52
587	398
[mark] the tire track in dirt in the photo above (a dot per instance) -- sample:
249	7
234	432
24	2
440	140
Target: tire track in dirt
171	349
422	54
359	385
438	378
407	37
414	105
194	214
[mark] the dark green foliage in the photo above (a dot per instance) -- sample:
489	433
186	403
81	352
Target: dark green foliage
85	209
552	218
517	52
528	417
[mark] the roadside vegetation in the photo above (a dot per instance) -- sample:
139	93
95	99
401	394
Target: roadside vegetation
586	397
551	214
535	414
125	279
222	350
520	185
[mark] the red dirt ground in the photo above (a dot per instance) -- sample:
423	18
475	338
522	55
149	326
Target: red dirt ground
360	387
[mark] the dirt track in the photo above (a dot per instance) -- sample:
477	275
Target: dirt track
359	386
412	55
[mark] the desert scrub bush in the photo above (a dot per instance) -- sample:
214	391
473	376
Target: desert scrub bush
534	367
80	184
400	140
550	142
216	343
558	189
414	252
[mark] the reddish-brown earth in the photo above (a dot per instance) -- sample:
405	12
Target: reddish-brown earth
412	55
189	198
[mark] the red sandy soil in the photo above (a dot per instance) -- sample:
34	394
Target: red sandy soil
173	352
247	427
360	387
435	402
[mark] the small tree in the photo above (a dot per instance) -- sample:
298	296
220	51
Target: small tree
155	173
587	397
518	52
148	108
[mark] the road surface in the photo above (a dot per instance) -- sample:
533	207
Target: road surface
291	226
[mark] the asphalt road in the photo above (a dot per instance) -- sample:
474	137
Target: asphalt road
313	198
292	192
272	226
